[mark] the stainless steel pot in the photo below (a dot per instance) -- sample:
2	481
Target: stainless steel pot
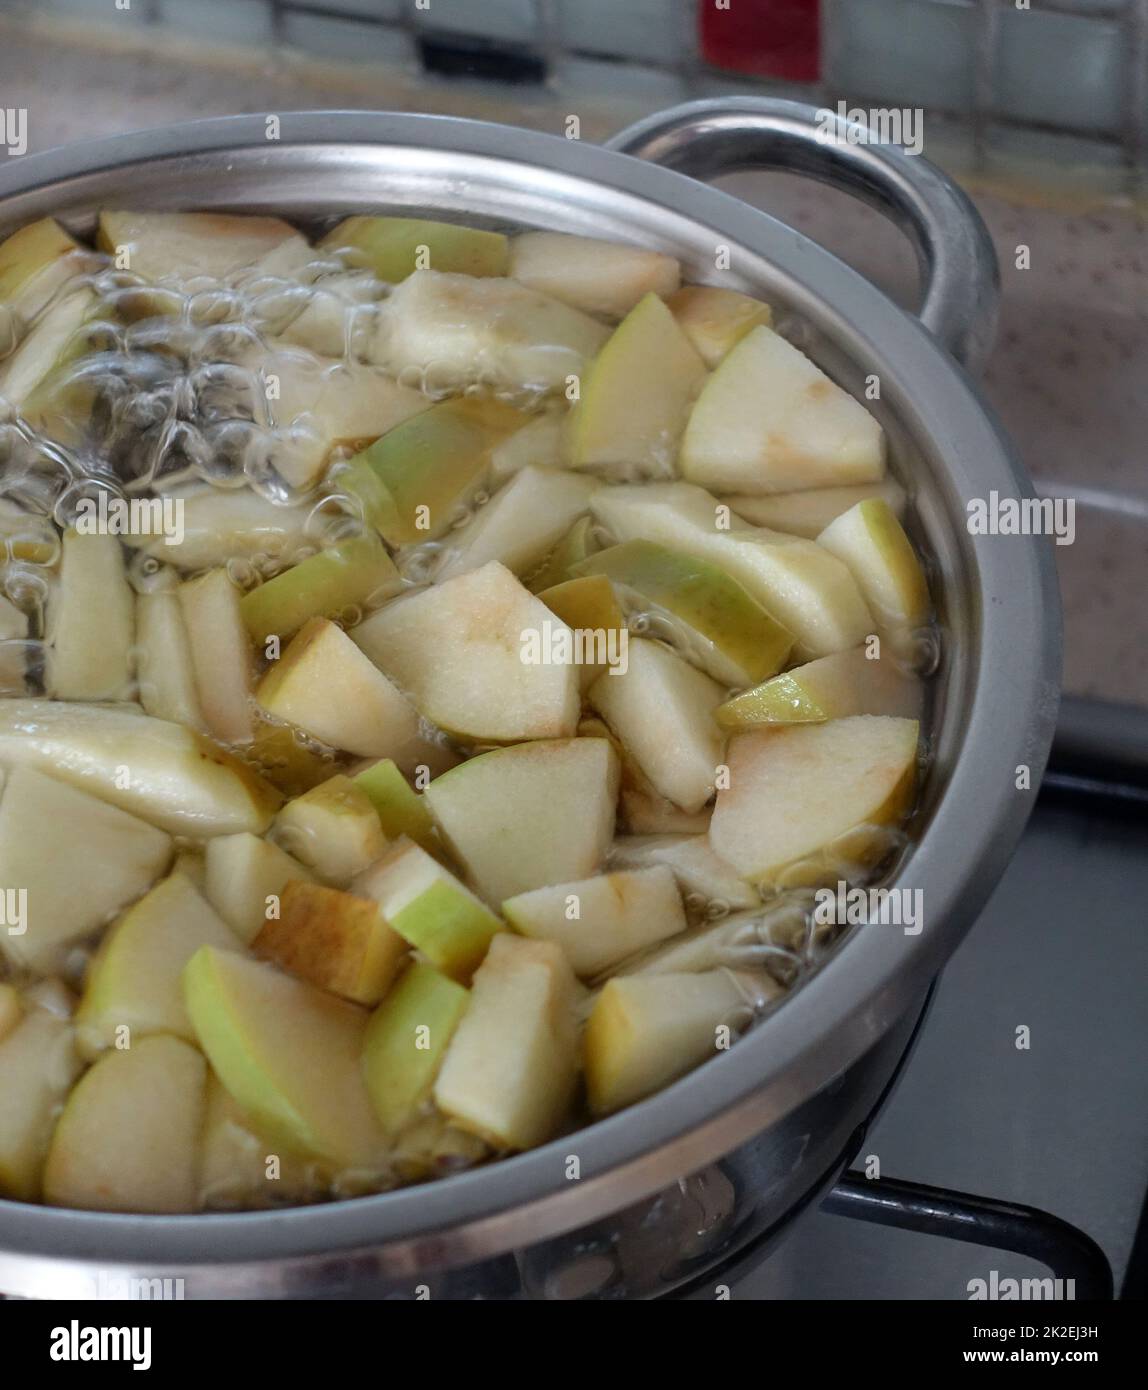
762	1126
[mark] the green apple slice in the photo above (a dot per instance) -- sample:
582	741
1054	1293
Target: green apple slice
395	247
636	397
240	1168
715	621
464	651
219	526
220	655
288	1054
406	1041
133	986
182	246
576	545
165	671
431	909
662	709
243	875
809	513
647	1030
537	444
770	420
38	1063
401	810
700	873
510	1070
872	542
43	347
128	1138
34	263
333	940
807	801
461	330
91	622
519	524
353	574
797	582
831	687
600	921
716	320
506	814
333	829
179	780
598	277
80	860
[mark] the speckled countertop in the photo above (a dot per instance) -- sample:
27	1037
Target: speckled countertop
1069	376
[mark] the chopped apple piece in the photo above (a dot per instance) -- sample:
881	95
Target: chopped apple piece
829	688
796	581
369	716
179	780
737	939
38	1064
519	524
588	604
11	1009
134	983
288	1054
181	246
166	675
468	330
406	1040
219	526
431	909
431	1147
395	247
770	420
345	576
647	1030
128	1137
642	809
870	540
530	815
510	1069
600	921
243	873
23	371
79	860
334	940
662	710
416	479
636	397
537	444
336	319
716	623
809	513
401	810
333	829
698	870
220	655
462	651
91	622
599	277
805	799
35	263
240	1168
576	545
716	320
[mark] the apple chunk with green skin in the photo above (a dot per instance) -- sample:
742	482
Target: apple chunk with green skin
180	781
662	709
234	1172
185	245
770	420
395	247
809	513
831	687
431	909
325	685
716	320
872	542
165	671
333	829
91	622
133	986
288	1054
510	1070
80	860
241	873
599	277
537	444
220	655
128	1137
600	921
576	545
348	575
530	815
34	263
38	1063
698	870
716	621
588	605
334	940
406	1041
635	398
647	1030
797	582
460	651
808	800
401	810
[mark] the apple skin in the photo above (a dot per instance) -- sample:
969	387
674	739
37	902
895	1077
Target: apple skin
716	320
233	1172
332	829
393	247
587	602
832	687
577	544
598	277
401	810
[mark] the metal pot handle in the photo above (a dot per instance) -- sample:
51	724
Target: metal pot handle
954	252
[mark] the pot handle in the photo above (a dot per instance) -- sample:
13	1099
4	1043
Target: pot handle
954	252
